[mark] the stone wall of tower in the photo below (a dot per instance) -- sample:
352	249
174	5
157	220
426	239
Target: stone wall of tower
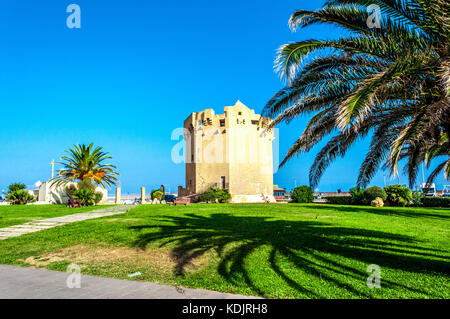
231	150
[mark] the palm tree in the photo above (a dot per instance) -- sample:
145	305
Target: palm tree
391	81
85	166
431	147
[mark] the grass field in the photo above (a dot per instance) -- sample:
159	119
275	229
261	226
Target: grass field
19	214
275	251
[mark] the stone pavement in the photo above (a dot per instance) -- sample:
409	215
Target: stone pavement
31	227
31	283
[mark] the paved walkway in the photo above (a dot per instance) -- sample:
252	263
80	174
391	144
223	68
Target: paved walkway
31	283
31	227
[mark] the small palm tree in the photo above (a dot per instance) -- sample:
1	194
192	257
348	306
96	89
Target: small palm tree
85	165
391	81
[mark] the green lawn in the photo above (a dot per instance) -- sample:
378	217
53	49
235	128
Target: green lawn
19	214
275	251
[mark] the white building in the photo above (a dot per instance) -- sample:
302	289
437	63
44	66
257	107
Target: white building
56	195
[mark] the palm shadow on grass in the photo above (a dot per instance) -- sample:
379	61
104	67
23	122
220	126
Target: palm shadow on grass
305	244
392	211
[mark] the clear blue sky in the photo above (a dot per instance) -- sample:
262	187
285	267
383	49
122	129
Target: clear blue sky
132	73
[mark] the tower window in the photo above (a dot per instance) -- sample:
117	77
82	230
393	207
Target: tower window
223	181
222	123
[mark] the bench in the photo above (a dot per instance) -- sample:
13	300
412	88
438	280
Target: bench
182	201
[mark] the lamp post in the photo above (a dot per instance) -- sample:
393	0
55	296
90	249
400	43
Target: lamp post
423	175
53	167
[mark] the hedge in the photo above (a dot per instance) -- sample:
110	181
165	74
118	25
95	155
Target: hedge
339	200
436	201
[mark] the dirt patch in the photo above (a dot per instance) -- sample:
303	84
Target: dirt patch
164	260
40	261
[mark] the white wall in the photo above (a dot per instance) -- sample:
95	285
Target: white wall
56	195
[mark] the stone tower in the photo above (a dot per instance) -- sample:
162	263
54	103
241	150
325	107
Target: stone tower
231	151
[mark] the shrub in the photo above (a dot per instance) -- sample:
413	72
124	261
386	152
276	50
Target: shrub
357	196
98	197
214	194
417	198
209	196
373	192
302	194
339	200
82	191
86	197
19	197
398	195
436	201
223	196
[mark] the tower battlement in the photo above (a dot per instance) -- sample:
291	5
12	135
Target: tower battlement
232	151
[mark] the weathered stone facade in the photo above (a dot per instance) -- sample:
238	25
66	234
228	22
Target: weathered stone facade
232	151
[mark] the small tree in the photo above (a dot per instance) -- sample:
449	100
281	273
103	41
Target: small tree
156	193
15	187
18	195
302	194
